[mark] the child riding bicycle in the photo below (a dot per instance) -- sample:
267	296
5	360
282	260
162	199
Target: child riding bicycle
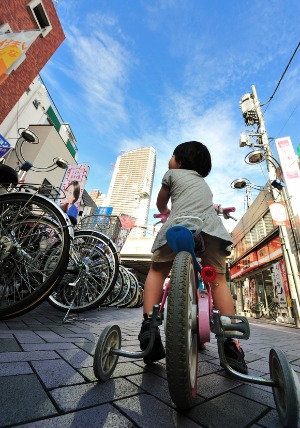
190	196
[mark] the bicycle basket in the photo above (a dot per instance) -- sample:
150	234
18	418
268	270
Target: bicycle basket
110	225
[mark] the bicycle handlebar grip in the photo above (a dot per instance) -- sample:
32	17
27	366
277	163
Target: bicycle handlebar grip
163	217
229	210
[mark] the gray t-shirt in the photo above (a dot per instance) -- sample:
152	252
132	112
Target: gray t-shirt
191	197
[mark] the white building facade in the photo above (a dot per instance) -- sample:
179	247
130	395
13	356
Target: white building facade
131	186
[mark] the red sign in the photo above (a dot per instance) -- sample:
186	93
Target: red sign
278	213
268	252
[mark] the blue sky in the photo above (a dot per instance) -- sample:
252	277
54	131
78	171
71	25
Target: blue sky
134	73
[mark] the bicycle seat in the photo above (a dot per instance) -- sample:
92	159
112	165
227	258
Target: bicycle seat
180	238
8	175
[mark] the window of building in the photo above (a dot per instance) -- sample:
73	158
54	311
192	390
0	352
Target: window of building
36	103
254	235
260	230
39	14
268	222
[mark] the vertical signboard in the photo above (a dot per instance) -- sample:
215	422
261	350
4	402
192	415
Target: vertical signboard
281	289
291	172
72	187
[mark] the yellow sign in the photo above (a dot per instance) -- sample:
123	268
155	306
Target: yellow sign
12	47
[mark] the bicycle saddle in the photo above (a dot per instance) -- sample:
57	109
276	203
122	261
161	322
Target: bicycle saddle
8	175
180	238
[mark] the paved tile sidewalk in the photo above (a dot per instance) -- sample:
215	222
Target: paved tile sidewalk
47	379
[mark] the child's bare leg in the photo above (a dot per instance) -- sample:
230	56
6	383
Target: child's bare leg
221	295
153	288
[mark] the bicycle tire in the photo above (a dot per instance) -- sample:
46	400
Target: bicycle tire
93	269
33	230
285	392
116	291
132	292
125	288
181	332
273	310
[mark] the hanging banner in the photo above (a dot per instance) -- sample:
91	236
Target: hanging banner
12	50
291	171
278	213
72	187
127	223
281	289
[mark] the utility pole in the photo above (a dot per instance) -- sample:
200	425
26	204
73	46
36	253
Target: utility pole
256	116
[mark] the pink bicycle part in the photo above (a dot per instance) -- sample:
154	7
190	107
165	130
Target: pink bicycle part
203	316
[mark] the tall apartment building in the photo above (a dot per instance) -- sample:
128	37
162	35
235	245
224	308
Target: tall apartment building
131	186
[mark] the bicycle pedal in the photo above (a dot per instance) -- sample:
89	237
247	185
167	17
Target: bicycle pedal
236	330
224	327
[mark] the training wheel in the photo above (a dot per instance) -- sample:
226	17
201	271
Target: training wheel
286	393
104	361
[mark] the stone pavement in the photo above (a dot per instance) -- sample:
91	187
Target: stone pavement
47	380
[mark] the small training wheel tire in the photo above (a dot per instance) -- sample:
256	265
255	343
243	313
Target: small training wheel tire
285	393
104	361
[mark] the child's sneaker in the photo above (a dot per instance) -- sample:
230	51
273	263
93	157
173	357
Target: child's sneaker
235	356
158	351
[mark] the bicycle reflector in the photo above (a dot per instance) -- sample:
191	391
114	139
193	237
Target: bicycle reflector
208	273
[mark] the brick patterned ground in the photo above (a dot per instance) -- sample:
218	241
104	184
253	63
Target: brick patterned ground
47	378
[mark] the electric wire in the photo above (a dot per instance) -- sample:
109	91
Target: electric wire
280	80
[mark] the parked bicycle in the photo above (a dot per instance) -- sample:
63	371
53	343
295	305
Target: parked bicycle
258	309
274	309
188	316
35	238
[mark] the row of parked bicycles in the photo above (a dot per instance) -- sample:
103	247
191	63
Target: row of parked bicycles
43	256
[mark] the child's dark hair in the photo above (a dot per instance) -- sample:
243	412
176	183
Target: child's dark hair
195	156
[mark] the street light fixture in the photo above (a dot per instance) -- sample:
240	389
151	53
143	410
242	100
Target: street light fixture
244	183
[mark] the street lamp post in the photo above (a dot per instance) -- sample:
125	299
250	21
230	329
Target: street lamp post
252	114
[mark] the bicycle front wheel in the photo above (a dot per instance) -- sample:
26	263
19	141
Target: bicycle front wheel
91	274
181	332
34	251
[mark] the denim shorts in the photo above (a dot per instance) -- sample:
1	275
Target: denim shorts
213	255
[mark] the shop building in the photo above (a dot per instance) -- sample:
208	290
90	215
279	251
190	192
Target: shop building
258	267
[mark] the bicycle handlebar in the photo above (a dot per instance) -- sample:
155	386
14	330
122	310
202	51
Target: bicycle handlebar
219	210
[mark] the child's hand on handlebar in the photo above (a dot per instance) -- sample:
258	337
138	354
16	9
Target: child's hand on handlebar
163	216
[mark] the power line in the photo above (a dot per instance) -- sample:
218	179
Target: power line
278	84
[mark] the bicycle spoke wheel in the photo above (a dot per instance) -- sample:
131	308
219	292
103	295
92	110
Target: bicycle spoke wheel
125	289
285	393
132	293
181	332
116	291
34	251
91	273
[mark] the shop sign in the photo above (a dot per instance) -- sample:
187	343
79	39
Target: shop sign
72	187
244	265
280	284
291	171
4	146
270	251
278	213
12	50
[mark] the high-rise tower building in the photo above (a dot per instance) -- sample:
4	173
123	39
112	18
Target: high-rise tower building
131	186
